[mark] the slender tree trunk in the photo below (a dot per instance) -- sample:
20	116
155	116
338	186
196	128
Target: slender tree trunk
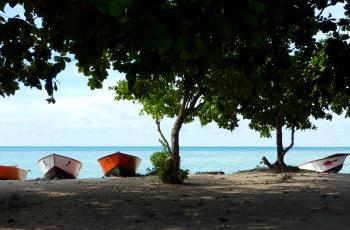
173	163
279	143
279	164
164	140
188	106
175	147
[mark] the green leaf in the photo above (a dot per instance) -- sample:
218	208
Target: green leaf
251	19
185	54
114	8
224	28
2	5
200	46
164	44
258	7
159	30
182	42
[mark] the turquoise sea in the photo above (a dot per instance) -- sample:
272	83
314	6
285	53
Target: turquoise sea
226	159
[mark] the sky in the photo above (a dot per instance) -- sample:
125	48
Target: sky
84	117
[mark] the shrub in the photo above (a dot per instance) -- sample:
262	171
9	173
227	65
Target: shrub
158	160
163	168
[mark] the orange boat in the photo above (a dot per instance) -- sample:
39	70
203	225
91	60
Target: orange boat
12	173
119	164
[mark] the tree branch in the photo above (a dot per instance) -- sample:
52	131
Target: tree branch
191	107
165	141
185	99
321	11
193	110
291	141
319	14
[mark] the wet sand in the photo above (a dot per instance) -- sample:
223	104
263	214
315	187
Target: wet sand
247	200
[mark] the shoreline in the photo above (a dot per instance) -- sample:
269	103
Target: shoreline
246	200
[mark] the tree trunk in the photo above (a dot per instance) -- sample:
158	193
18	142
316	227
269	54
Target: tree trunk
173	163
174	160
188	106
279	164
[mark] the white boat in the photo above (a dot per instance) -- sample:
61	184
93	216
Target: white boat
330	164
61	167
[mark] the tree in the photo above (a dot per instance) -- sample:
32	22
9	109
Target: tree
182	97
142	39
288	100
133	36
254	64
202	48
172	97
26	56
330	69
280	90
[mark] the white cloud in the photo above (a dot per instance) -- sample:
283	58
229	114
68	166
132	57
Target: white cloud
84	117
96	119
93	119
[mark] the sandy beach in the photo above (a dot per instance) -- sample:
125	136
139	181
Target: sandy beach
248	200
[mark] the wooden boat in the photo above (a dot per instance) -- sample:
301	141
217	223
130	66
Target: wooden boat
330	164
119	164
12	173
60	167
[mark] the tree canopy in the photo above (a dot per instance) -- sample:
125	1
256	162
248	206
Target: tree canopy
26	55
143	38
282	89
207	58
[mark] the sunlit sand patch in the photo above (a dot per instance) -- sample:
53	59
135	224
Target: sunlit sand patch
56	193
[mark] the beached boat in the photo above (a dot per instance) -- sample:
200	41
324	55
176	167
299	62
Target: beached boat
331	164
60	167
119	164
12	173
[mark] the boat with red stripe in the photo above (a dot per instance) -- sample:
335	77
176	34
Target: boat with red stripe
330	164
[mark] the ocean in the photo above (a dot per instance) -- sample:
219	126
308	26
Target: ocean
196	159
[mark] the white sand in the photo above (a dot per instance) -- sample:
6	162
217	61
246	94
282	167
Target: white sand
237	201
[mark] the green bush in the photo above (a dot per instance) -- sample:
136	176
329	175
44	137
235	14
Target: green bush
158	160
183	175
163	168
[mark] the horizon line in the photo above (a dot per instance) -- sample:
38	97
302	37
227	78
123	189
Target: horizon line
157	146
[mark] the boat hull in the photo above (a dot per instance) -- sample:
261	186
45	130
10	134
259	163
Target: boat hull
119	164
60	167
12	173
331	164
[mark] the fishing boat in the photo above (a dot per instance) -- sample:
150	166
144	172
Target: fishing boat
330	164
119	164
12	173
60	167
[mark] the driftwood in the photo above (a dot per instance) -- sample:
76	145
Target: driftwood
289	168
266	162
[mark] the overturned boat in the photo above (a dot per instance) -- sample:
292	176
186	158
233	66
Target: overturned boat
60	167
330	164
119	164
12	173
